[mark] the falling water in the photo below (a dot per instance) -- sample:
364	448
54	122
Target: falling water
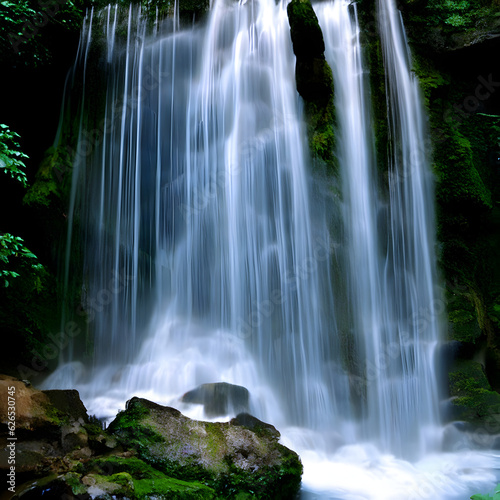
195	207
390	271
212	255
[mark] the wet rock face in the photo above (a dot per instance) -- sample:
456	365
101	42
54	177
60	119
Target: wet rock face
47	425
241	455
314	80
219	399
307	37
312	73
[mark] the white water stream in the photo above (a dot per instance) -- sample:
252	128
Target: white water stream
211	255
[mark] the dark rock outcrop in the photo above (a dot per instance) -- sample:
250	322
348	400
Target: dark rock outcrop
219	399
314	79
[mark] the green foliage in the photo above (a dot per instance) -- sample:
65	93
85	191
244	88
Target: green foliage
451	15
455	13
487	496
29	29
13	246
10	155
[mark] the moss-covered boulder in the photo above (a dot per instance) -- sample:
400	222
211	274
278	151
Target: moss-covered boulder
472	393
230	457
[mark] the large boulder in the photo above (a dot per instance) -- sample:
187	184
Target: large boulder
219	399
39	428
241	456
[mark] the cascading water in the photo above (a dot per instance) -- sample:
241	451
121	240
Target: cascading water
209	256
198	195
390	270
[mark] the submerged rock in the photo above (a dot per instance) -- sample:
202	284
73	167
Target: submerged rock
219	399
238	456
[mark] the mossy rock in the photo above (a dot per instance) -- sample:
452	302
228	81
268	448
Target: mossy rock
53	178
118	478
462	315
306	34
472	392
314	81
226	456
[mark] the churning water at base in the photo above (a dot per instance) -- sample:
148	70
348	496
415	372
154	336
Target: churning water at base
210	255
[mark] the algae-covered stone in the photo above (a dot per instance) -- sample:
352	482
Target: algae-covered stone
117	478
227	456
472	392
142	480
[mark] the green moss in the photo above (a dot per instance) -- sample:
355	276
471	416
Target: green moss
462	315
132	430
314	81
472	391
73	480
306	34
171	489
278	483
147	480
56	417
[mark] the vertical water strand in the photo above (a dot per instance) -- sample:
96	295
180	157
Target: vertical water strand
359	187
81	60
410	379
141	34
120	182
159	259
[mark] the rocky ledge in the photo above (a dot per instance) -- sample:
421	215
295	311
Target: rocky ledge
148	451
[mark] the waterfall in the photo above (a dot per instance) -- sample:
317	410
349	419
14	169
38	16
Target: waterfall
390	269
213	253
198	199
